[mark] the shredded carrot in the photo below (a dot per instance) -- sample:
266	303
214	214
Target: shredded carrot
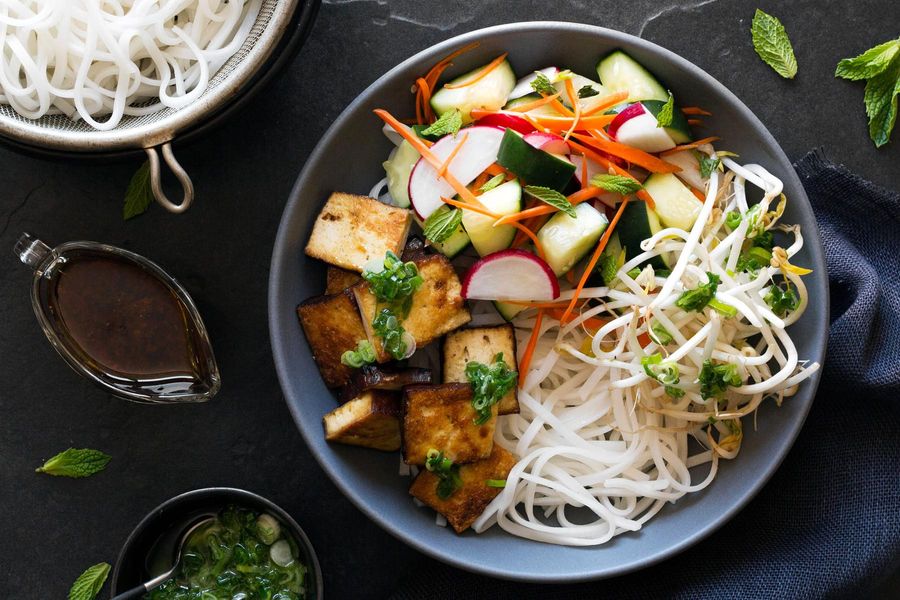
538	246
481	74
534	104
691	146
428	155
479	181
496	169
425	85
533	224
625	152
607	102
562	109
545	209
594	323
479	208
595	257
446	164
695	110
529	349
566	123
607	164
695	122
570	277
573	98
698	195
584	181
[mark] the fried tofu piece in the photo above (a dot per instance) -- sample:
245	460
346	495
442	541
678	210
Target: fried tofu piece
332	326
372	377
437	306
442	417
338	280
351	230
370	420
468	502
482	344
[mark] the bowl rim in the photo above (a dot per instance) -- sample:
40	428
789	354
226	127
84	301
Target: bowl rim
216	492
812	243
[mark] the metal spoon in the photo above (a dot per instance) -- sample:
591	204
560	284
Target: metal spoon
142	589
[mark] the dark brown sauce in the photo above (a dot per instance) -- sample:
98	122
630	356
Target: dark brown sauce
123	318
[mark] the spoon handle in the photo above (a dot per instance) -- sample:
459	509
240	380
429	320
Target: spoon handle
135	592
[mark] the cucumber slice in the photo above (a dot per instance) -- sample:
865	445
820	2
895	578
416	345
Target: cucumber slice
397	167
523	85
638	223
567	240
453	245
505	199
545	110
489	93
533	166
679	130
508	310
618	71
675	203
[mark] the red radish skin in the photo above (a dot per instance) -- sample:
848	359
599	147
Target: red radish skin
635	110
511	275
504	120
548	142
425	188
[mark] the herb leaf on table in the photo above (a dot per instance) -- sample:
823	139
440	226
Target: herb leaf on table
89	583
75	462
139	194
771	42
880	66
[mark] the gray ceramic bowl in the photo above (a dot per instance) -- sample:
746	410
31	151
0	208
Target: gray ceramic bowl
348	158
157	533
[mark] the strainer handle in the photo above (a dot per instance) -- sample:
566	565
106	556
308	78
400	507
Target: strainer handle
180	174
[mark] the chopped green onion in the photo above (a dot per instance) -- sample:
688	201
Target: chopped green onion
496	483
722	308
446	472
696	300
489	385
363	355
733	220
395	284
388	328
716	379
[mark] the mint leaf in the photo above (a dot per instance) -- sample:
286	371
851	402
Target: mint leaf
616	183
870	63
551	197
587	91
664	118
881	102
491	183
88	584
707	165
541	84
449	122
442	223
139	194
771	42
82	462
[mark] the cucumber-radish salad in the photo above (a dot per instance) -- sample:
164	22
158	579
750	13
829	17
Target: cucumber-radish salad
629	288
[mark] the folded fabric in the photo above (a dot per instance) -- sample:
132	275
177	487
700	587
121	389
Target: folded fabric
828	523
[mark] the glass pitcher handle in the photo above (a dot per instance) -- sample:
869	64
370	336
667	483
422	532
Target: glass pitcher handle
31	250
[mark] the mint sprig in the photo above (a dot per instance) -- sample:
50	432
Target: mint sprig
551	197
89	583
542	85
880	66
666	113
492	183
616	183
448	123
75	462
441	224
771	42
587	91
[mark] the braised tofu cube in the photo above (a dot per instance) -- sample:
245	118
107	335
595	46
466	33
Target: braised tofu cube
338	280
370	420
468	502
441	417
332	326
437	306
481	344
372	377
351	230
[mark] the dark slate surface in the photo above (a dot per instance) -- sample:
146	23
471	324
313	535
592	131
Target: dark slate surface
54	528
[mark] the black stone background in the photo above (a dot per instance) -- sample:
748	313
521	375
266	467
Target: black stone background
52	528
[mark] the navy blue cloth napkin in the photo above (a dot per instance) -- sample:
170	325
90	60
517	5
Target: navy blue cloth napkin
828	523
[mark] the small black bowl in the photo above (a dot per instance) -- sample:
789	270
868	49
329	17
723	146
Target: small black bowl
163	524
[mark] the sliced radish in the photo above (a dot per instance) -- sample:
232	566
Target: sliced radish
690	168
478	153
506	120
523	86
510	275
638	128
548	142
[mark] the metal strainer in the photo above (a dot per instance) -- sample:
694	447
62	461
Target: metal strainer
155	132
